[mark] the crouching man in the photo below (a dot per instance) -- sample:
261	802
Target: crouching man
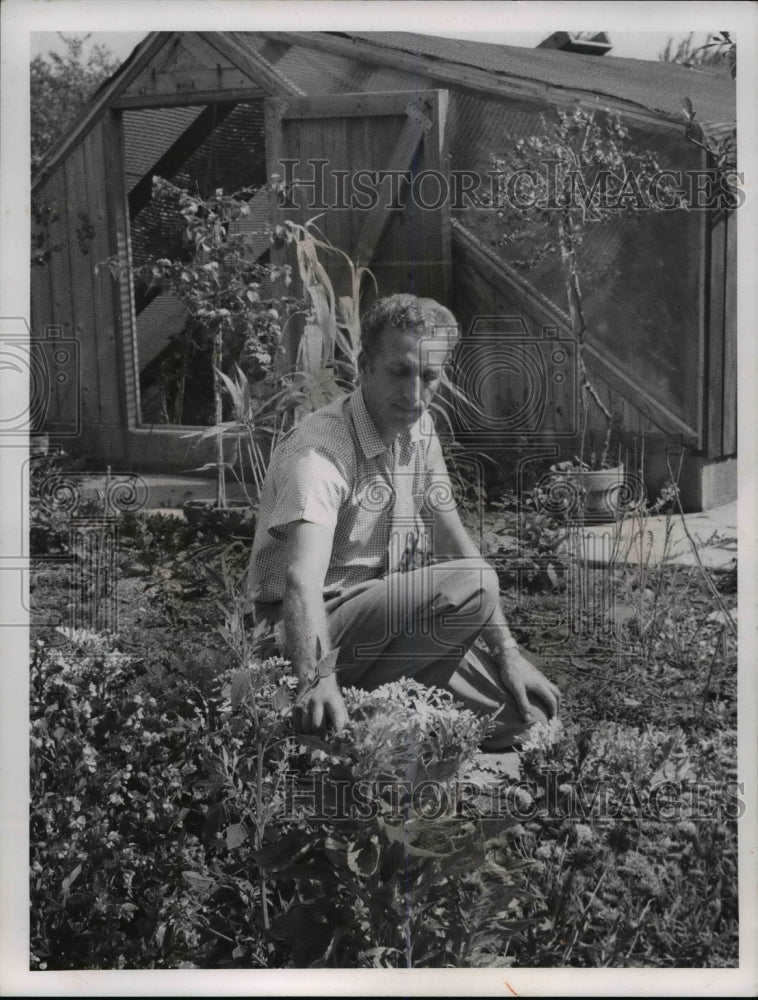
353	497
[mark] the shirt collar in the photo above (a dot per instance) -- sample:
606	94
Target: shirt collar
368	435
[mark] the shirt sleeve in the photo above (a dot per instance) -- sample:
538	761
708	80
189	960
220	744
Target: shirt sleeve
311	488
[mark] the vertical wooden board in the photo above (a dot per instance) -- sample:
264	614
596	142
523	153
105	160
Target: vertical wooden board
285	144
316	142
41	292
373	140
63	406
493	384
333	147
494	299
342	223
370	143
420	226
41	299
125	328
41	401
409	254
104	292
356	156
405	239
632	421
715	349
729	441
273	131
699	417
463	304
439	136
144	83
81	279
431	191
195	54
504	387
273	136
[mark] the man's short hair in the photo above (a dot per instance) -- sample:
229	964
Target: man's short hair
406	312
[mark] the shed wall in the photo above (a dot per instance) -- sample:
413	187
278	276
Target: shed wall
75	292
97	406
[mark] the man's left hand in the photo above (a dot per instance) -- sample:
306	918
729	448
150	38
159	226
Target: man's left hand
524	680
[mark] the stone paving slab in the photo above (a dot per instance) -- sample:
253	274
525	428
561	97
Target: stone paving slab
165	493
654	539
493	768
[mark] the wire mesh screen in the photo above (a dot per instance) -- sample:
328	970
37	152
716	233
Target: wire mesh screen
640	273
232	156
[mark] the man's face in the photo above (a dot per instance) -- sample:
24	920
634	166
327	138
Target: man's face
400	378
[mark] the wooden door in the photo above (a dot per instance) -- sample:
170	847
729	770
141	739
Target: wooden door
371	169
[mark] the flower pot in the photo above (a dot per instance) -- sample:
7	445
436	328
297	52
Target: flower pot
600	492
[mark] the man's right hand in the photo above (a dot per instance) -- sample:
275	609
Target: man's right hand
319	702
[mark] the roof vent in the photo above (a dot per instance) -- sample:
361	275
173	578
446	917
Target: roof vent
586	42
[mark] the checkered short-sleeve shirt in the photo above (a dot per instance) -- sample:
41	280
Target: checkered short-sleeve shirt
333	469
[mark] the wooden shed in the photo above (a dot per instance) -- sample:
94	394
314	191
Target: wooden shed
230	109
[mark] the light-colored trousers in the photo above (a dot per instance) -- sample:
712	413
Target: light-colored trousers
423	624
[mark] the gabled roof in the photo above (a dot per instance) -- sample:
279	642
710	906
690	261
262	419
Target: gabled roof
209	54
655	86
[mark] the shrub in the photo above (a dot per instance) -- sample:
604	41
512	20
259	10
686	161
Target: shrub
197	829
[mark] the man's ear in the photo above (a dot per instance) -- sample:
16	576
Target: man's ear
363	361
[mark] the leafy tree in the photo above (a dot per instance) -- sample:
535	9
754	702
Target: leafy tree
718	53
61	85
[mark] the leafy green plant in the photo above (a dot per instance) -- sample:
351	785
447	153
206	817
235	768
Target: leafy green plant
327	356
223	290
107	787
397	877
615	862
177	820
171	830
527	545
